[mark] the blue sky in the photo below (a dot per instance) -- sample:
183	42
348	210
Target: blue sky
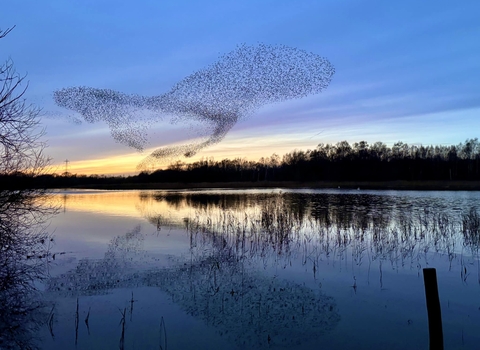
405	70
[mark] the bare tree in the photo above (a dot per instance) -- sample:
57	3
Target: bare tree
24	212
21	147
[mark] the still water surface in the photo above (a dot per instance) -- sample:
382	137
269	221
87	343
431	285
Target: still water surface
260	269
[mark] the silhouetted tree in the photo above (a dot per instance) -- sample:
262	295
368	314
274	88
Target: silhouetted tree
24	242
21	148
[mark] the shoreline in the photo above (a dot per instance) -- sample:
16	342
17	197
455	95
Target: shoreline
365	185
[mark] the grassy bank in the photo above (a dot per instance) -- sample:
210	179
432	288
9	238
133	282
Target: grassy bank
381	185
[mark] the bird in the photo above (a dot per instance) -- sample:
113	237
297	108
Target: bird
218	96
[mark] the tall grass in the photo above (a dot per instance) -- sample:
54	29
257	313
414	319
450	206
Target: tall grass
271	231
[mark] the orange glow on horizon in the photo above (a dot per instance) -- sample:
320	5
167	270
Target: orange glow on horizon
124	164
250	148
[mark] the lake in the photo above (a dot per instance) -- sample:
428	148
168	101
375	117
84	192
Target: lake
259	269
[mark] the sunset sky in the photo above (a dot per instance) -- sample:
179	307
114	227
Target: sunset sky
405	70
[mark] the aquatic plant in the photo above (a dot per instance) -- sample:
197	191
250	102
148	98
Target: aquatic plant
471	228
271	232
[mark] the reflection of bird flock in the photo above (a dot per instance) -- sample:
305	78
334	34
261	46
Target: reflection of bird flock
251	309
216	286
218	96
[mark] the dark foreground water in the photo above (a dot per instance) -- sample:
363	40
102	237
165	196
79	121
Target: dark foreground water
258	269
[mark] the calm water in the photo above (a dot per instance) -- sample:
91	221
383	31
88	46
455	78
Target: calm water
224	269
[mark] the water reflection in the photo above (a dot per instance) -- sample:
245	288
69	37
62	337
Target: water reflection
116	269
213	284
398	229
260	267
368	228
249	308
24	254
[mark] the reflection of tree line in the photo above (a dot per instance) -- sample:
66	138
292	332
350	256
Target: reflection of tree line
332	226
198	200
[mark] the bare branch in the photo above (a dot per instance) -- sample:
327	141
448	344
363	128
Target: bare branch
21	148
4	33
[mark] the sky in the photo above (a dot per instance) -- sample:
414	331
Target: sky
405	70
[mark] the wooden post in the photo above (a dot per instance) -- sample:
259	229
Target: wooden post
433	308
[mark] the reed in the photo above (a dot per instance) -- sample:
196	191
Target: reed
87	318
50	322
163	335
471	229
272	231
121	344
76	324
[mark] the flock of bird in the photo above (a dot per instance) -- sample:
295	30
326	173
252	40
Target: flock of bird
218	96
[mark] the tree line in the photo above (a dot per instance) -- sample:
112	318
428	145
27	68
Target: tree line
327	162
336	162
23	162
